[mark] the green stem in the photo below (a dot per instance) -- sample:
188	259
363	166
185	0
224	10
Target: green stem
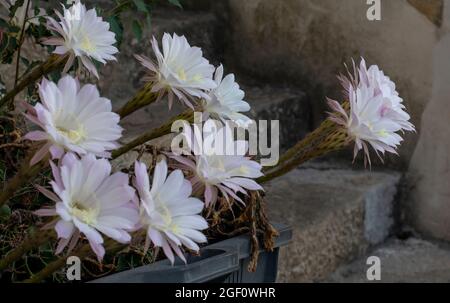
21	38
53	63
143	98
24	175
327	138
153	134
83	252
35	239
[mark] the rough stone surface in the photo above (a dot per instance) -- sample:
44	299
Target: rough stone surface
288	105
305	42
410	261
336	214
429	207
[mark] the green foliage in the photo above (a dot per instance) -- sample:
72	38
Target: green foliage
176	3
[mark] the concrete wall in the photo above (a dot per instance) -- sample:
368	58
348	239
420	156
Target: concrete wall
306	42
429	203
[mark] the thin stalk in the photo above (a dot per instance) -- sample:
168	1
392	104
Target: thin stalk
53	63
83	252
327	138
34	240
144	97
153	134
22	37
24	175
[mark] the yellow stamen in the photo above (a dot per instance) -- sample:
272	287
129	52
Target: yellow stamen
86	215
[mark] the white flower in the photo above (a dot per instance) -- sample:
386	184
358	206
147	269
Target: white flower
220	166
90	201
226	100
21	13
377	113
73	119
168	212
180	70
84	35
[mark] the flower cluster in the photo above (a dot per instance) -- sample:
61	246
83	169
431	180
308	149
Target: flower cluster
377	112
82	35
79	130
181	71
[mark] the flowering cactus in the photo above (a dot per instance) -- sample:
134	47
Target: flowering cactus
95	211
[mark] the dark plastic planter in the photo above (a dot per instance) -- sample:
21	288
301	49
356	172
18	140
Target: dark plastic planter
222	262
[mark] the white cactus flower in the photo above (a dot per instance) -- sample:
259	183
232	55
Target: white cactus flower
377	113
90	201
226	100
180	70
73	119
83	35
168	212
220	166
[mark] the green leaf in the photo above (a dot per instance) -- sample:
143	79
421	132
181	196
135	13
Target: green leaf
14	7
117	28
5	212
137	30
141	6
176	3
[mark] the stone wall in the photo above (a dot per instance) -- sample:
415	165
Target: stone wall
306	42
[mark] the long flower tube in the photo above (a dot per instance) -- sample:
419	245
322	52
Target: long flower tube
153	134
328	137
34	240
26	173
143	97
53	63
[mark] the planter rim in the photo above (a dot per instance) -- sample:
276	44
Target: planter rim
214	261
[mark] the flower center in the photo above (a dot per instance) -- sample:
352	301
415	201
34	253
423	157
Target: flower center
182	74
86	215
75	136
165	214
87	45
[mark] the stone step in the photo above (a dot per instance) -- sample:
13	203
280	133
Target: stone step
119	81
401	261
336	213
288	105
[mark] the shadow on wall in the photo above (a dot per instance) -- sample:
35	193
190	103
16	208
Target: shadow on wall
306	42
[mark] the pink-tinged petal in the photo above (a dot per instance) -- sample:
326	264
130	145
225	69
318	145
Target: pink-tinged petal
36	136
62	243
69	63
178	251
98	249
56	175
168	251
56	151
45	212
90	66
34	120
90	233
246	183
74	240
146	62
64	229
189	163
142	179
208	195
155	236
40	154
48	193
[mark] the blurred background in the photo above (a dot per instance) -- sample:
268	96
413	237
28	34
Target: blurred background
286	55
